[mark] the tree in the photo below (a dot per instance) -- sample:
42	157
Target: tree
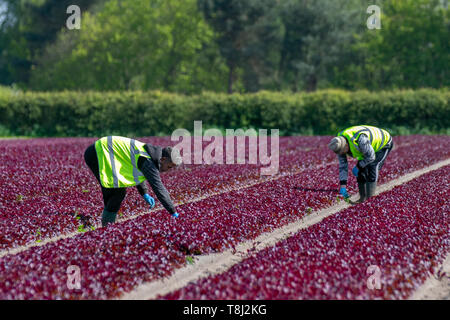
411	50
134	44
28	27
242	28
414	43
317	35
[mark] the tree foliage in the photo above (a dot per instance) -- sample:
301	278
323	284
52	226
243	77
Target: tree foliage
28	26
411	50
224	45
317	36
134	44
248	34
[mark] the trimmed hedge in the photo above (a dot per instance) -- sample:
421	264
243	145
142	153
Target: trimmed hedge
157	113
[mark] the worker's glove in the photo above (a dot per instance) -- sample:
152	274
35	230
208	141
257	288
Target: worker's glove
149	200
343	192
175	215
355	171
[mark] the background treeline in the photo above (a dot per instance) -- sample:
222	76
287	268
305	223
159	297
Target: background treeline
190	46
155	113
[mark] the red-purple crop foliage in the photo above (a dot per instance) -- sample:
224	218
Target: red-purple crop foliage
404	232
45	180
44	183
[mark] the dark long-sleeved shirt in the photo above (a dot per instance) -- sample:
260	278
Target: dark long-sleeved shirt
150	169
368	152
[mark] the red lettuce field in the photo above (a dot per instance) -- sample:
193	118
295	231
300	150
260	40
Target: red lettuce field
47	191
406	237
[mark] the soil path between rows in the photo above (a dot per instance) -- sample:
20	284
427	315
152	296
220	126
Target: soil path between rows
220	262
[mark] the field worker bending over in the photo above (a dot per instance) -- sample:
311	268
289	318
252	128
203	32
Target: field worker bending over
119	162
370	146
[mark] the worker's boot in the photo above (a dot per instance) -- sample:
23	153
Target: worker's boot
108	217
371	187
362	193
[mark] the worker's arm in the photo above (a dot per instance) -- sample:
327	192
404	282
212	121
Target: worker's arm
367	150
151	173
343	170
343	175
142	188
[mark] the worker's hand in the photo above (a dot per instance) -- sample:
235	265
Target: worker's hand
149	200
343	192
355	171
175	215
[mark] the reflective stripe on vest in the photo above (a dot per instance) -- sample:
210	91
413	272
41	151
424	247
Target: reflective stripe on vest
113	162
378	138
117	160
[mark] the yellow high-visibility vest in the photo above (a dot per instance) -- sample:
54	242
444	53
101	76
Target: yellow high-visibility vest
117	161
378	138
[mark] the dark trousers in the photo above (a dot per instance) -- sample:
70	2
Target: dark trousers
112	197
370	172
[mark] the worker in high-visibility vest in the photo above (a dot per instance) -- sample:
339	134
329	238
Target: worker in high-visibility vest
119	162
370	146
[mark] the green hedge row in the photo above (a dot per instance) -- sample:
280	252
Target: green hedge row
157	113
